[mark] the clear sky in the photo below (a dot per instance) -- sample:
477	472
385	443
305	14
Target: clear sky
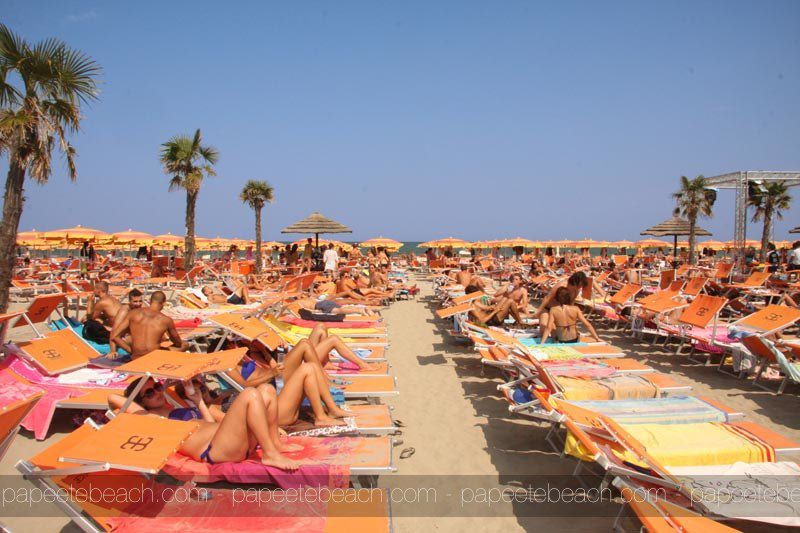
425	119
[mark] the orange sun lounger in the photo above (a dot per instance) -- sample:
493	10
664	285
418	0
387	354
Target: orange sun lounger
39	311
660	516
217	511
771	319
58	352
11	416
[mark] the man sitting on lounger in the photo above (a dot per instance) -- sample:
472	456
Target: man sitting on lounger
135	301
516	291
468	280
100	314
148	326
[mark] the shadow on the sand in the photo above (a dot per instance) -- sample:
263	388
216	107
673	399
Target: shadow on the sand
513	440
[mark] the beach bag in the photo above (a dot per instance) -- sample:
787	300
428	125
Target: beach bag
95	331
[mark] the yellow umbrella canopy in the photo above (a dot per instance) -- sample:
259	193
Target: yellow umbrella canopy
31	238
272	244
168	239
587	243
77	233
621	244
518	241
132	237
382	242
748	243
204	243
652	243
444	243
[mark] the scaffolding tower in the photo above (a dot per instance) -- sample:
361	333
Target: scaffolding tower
739	182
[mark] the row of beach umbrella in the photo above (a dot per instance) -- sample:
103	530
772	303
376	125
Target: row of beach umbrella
66	237
581	244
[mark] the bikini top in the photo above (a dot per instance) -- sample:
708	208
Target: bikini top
185	413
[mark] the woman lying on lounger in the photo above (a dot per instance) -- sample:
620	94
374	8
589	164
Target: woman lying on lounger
563	320
250	421
303	378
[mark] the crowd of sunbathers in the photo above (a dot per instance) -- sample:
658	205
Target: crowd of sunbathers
277	387
569	277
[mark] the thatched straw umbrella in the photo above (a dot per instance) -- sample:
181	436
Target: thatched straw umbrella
675	227
317	223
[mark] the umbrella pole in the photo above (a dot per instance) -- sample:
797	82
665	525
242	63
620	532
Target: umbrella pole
675	248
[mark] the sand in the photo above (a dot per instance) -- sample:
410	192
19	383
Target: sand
458	424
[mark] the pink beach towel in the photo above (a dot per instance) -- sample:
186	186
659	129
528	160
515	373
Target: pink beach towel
220	510
253	472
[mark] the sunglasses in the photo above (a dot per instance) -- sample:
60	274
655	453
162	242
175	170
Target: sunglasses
149	393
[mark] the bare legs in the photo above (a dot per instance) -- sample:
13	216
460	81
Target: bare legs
248	420
304	352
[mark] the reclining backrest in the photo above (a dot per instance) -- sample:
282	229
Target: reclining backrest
695	285
626	293
758	347
723	270
770	319
702	310
666	278
757	279
41	308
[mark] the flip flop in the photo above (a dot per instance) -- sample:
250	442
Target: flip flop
398	424
406	453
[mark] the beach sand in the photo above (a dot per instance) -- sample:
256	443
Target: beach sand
458	424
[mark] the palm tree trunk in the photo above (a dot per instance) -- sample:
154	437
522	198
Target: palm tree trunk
766	230
258	241
12	211
692	238
188	257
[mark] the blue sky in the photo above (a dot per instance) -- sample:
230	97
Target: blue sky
418	120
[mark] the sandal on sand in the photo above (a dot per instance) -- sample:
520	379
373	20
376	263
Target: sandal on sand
398	423
408	452
397	442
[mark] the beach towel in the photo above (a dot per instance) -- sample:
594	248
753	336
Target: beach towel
253	472
687	445
671	410
578	368
621	387
757	491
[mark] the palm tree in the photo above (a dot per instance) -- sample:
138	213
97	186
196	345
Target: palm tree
256	194
36	113
694	200
188	162
770	200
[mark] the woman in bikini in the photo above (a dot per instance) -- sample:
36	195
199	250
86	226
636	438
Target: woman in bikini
248	423
563	320
574	284
303	378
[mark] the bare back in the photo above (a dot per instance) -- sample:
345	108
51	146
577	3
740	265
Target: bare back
106	310
147	328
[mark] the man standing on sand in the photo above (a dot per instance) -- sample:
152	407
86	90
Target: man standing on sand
148	325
